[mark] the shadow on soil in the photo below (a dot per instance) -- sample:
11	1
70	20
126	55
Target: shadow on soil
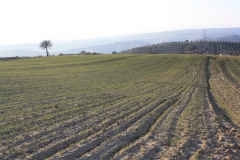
219	111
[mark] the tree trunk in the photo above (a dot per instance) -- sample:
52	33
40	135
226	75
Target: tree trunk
47	52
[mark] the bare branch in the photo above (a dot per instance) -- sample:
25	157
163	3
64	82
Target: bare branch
45	45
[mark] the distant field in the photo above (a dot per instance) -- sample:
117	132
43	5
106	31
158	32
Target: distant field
120	107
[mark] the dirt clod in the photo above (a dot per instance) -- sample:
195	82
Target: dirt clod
221	138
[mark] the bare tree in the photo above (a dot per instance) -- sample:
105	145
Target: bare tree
45	45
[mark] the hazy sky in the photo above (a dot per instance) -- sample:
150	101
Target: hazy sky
29	21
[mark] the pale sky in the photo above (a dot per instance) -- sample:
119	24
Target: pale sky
31	21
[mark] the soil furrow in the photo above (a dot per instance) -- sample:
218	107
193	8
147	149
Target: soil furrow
63	135
160	134
144	110
74	139
138	129
88	132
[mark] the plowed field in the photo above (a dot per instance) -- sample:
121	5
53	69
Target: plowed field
120	107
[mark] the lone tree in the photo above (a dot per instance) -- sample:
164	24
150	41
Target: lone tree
45	45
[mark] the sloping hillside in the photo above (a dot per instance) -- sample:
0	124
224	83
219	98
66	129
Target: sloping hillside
109	48
192	47
121	106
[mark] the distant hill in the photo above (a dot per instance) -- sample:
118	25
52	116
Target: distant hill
192	47
109	48
97	44
233	38
22	52
188	34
